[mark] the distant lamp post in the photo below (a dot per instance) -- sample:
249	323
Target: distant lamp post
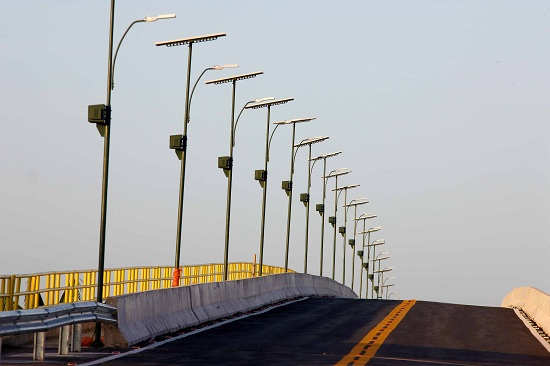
370	276
351	242
332	219
226	162
381	275
261	175
365	264
304	197
321	207
342	229
179	142
393	293
100	114
287	185
385	287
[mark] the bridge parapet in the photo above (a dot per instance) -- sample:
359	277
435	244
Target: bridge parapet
533	302
144	315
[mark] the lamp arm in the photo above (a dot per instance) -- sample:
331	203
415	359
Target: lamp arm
270	138
237	121
117	48
193	90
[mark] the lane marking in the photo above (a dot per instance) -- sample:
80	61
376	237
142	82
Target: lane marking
365	350
181	336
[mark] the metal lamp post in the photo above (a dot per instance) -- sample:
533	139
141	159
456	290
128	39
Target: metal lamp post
381	274
261	175
321	207
226	162
179	142
351	242
365	265
342	229
100	114
332	219
384	286
287	185
374	244
304	197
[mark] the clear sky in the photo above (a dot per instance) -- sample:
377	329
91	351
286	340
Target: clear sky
440	109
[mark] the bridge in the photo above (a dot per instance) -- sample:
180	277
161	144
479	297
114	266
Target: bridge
280	318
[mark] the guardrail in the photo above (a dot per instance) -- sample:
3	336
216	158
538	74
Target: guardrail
17	322
29	291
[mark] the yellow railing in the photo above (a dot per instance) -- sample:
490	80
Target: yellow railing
29	291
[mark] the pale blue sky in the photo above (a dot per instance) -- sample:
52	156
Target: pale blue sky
440	109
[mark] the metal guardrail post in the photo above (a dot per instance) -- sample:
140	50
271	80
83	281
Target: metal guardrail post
64	340
76	344
39	345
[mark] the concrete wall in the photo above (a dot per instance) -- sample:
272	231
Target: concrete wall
535	303
145	315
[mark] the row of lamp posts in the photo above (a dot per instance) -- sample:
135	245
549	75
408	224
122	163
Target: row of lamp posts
101	116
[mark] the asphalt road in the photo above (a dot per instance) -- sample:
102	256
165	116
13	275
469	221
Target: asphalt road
322	331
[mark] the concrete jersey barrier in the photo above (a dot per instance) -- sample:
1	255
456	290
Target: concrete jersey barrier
535	303
145	315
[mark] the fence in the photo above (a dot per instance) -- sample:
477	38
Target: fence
29	291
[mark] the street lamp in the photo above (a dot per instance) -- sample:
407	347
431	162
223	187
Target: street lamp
261	175
226	162
287	185
365	265
374	244
342	229
304	197
354	203
321	207
381	274
332	219
147	19
386	286
179	142
100	114
213	68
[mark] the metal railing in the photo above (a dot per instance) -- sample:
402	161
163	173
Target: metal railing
16	322
29	291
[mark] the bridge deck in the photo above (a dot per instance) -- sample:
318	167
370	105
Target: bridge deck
322	331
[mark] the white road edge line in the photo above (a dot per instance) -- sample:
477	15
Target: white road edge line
181	336
535	333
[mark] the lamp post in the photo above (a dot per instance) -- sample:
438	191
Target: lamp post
392	293
304	197
100	114
321	207
364	264
226	162
179	142
342	229
332	219
381	274
287	185
261	175
351	242
374	244
386	286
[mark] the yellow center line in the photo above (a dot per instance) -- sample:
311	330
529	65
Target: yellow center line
369	345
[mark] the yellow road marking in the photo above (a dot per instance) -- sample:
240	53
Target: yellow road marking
369	345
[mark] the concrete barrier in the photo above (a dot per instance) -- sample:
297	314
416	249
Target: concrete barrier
145	315
535	303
